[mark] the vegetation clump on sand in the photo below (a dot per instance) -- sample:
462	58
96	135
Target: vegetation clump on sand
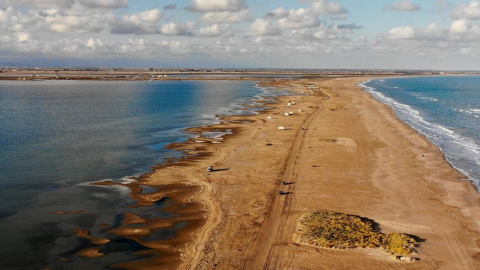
338	230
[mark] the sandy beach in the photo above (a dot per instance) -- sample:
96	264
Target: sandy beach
338	149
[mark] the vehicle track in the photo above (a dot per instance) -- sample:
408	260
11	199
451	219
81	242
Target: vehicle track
274	232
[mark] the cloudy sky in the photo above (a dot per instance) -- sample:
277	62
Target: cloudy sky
396	34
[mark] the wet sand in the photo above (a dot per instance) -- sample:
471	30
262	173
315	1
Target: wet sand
340	150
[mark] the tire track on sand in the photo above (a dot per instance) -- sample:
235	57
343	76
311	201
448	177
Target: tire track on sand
273	231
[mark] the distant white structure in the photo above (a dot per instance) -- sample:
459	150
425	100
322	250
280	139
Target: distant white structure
281	128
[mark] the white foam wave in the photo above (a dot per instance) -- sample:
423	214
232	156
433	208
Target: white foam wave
473	111
422	97
429	99
462	152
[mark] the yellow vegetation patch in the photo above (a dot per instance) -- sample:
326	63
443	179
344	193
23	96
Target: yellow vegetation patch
338	230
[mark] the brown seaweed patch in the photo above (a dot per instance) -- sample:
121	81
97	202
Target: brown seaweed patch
131	218
91	253
338	230
95	240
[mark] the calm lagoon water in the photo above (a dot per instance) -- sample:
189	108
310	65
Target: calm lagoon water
57	136
444	109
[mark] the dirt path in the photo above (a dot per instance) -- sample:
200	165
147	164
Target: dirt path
274	231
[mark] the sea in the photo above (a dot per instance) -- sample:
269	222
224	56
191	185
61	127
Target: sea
57	137
444	109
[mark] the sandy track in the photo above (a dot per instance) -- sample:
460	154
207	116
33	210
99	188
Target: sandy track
275	232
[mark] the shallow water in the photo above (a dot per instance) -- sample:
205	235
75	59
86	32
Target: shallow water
58	136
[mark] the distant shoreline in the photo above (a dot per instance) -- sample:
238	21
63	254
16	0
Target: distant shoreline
142	75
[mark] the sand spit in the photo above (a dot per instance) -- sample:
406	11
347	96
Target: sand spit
341	150
344	152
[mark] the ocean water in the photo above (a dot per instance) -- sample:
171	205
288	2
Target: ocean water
444	109
58	136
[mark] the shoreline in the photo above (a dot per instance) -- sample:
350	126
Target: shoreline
227	212
467	176
185	198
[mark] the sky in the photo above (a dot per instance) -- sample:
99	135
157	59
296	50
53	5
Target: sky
303	34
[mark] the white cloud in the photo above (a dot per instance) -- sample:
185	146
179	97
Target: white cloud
405	5
95	43
433	31
460	33
278	13
322	35
22	37
363	39
262	27
217	5
153	16
243	15
132	46
215	30
466	51
402	32
325	33
55	20
460	26
299	19
323	7
67	24
74	24
95	47
6	14
467	11
173	29
139	23
177	47
85	27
